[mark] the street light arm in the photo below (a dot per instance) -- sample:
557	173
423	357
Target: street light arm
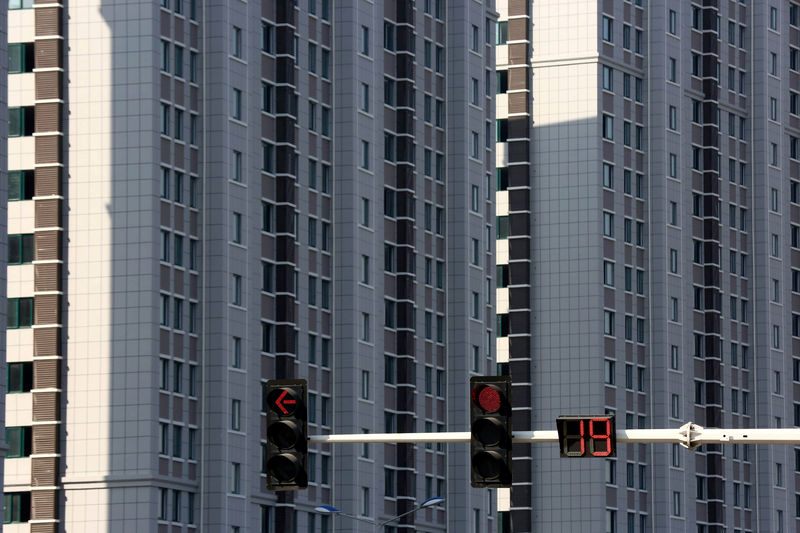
355	517
398	517
414	510
329	509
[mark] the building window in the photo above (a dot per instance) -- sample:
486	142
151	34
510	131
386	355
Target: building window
674	358
608	127
608	78
608	224
502	32
365	327
165	56
236	104
177	441
165	112
312	58
608	175
501	130
236	42
608	29
236	228
325	294
236	415
193	67
19	441
365	155
608	273
20	57
236	478
365	40
20	185
20	249
608	323
236	288
20	313
177	319
389	147
673	309
17	507
365	97
20	377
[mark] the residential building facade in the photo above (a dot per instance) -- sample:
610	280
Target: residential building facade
204	195
663	227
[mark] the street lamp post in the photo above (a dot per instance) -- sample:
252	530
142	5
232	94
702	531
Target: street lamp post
329	509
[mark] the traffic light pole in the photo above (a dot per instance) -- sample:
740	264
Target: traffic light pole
689	435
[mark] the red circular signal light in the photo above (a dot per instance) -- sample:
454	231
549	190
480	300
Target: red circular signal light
487	398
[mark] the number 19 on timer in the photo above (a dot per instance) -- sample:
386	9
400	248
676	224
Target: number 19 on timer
587	436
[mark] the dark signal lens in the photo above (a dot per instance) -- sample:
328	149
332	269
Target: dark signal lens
284	434
489	431
490	465
285	467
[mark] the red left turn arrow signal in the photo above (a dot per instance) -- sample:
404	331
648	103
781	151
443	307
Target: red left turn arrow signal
281	402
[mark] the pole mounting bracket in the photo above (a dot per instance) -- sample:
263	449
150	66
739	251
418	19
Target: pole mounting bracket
689	432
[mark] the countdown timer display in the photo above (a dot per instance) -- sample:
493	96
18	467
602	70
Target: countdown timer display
587	436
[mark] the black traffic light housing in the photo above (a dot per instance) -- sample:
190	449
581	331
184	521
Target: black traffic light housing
490	426
287	434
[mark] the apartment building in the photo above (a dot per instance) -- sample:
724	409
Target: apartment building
204	195
663	201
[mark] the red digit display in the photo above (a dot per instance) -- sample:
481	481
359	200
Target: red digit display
575	441
572	439
604	435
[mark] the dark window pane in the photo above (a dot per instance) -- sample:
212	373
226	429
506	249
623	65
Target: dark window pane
25	312
14	252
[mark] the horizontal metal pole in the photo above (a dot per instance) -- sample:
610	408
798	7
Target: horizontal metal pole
699	436
748	436
625	435
452	436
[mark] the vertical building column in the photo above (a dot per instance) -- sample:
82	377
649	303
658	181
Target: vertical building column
519	252
48	259
285	219
710	151
285	185
406	244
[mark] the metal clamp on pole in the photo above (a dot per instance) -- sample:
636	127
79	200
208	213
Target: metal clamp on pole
689	431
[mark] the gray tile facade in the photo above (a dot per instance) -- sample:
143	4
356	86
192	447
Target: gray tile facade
663	202
255	190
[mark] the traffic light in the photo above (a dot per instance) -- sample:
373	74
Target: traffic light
490	424
587	436
287	434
